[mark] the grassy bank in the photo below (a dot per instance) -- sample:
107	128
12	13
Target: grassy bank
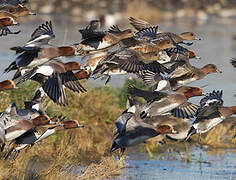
96	109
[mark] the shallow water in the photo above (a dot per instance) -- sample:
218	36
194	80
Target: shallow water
219	165
216	47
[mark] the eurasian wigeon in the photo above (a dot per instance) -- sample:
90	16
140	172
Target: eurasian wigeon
83	74
31	57
182	73
54	77
137	132
17	125
131	61
31	137
144	27
161	102
103	40
6	20
211	113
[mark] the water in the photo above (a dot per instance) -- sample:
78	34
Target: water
216	47
219	165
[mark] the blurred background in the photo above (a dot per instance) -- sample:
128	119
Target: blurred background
212	20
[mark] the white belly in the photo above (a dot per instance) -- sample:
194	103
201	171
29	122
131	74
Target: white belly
14	134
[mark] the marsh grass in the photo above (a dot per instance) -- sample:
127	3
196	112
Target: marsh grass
97	110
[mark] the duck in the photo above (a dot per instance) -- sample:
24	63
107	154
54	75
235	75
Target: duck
31	137
132	131
181	74
7	19
100	40
31	57
16	125
210	113
129	60
143	26
133	60
162	101
54	77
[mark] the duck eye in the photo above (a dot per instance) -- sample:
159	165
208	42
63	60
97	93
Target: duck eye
191	34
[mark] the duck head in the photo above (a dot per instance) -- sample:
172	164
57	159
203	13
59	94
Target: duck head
71	66
71	124
210	68
42	120
66	51
189	91
84	74
7	21
165	44
192	54
7	84
166	129
189	36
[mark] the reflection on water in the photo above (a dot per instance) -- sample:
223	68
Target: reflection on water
216	47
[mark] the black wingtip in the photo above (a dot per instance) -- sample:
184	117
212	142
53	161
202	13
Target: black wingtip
191	132
143	115
114	147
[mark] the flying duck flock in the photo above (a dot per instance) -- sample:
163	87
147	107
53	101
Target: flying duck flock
161	60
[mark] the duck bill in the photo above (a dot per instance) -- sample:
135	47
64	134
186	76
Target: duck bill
174	132
80	125
15	23
52	122
32	13
198	38
218	71
198	57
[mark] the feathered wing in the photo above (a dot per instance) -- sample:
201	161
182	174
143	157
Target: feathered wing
121	122
186	110
150	78
139	24
212	98
70	81
147	95
147	34
54	89
43	33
